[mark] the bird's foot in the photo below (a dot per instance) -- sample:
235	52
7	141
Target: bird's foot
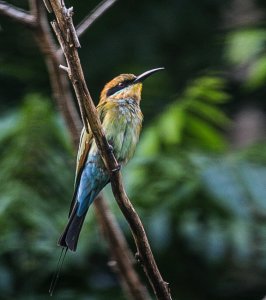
110	148
117	168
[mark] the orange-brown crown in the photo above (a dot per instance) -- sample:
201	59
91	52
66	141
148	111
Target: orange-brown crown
125	86
122	87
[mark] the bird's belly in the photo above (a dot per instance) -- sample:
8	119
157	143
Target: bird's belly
123	135
125	143
122	127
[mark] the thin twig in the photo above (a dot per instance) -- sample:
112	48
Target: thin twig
132	285
62	94
63	42
64	68
160	287
97	12
58	80
17	14
117	241
69	14
48	6
86	23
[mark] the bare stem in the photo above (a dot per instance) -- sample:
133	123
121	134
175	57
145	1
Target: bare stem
63	96
89	114
37	21
17	14
117	242
58	80
97	12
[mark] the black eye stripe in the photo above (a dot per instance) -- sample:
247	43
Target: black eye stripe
113	90
118	87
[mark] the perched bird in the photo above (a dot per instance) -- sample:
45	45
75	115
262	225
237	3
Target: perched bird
121	118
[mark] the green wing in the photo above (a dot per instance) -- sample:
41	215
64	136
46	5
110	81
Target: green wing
85	142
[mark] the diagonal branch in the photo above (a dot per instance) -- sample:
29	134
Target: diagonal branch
135	290
97	12
17	14
86	23
131	283
58	81
66	38
133	287
88	112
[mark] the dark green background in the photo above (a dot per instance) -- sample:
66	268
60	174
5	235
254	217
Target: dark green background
197	181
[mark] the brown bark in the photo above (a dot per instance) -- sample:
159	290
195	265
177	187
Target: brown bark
122	263
67	38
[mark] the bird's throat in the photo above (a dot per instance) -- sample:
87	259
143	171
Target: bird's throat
136	91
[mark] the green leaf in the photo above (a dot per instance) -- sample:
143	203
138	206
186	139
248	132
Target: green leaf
207	88
245	45
149	144
257	73
206	135
209	112
171	125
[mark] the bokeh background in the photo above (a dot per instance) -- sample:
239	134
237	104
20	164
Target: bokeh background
198	179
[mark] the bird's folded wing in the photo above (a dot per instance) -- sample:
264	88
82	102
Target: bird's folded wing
84	148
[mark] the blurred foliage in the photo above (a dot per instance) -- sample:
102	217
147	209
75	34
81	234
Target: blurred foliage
202	202
193	119
246	49
34	156
36	182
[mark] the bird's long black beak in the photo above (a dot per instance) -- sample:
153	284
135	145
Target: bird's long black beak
146	74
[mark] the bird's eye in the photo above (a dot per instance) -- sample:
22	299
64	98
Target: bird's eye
121	84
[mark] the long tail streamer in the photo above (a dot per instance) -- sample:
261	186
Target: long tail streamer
57	270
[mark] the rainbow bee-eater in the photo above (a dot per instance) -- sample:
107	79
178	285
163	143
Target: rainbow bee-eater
121	118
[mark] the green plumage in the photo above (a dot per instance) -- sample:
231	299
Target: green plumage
121	120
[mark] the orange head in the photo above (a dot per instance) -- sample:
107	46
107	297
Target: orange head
125	86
